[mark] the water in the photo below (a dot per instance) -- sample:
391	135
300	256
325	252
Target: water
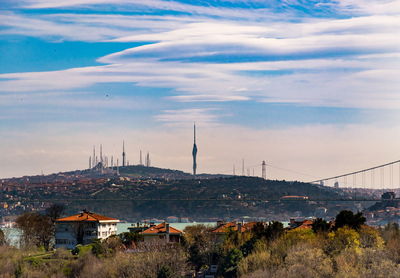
123	227
12	235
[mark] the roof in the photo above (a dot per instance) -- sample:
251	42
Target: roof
234	227
294	197
86	216
161	229
305	224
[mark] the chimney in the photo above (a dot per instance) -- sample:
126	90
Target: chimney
167	232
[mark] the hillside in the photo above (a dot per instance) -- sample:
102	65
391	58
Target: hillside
148	192
209	198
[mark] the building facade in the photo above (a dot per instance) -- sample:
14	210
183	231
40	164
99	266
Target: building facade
162	231
83	228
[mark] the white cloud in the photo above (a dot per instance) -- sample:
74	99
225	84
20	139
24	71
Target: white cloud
357	80
370	6
183	117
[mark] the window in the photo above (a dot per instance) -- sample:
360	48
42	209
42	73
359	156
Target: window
104	233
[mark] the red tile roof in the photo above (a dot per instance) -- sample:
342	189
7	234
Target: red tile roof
161	229
306	224
86	216
234	226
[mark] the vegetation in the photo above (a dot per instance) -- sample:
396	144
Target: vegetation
162	197
350	249
37	230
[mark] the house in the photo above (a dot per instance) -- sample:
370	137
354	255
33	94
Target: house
162	231
223	228
83	228
303	224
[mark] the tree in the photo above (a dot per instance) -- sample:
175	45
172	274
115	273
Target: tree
273	230
37	229
55	211
320	225
3	240
230	265
165	272
129	239
201	246
347	218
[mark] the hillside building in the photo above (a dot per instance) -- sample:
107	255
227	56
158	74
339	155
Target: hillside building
83	228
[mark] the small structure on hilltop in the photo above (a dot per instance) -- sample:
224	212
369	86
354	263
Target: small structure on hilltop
83	228
162	231
294	198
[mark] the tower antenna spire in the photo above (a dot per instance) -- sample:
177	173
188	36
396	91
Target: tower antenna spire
194	151
123	153
194	132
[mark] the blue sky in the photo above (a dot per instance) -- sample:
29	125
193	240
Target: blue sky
78	73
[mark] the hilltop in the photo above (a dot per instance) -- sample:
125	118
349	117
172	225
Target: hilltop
150	192
132	171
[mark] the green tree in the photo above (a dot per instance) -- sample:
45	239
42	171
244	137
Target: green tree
320	225
165	272
229	267
130	239
274	230
348	218
201	246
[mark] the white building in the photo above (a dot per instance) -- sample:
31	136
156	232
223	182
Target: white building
83	228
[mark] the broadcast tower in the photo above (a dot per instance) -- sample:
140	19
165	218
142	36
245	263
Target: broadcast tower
194	151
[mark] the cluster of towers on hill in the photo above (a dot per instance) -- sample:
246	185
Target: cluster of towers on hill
104	161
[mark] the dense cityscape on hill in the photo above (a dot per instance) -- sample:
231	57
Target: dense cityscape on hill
140	192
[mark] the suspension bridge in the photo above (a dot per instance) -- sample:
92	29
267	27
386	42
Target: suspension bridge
384	177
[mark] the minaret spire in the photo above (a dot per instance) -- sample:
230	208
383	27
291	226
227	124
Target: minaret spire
101	153
194	151
94	157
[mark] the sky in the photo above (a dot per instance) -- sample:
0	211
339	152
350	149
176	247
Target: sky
311	87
